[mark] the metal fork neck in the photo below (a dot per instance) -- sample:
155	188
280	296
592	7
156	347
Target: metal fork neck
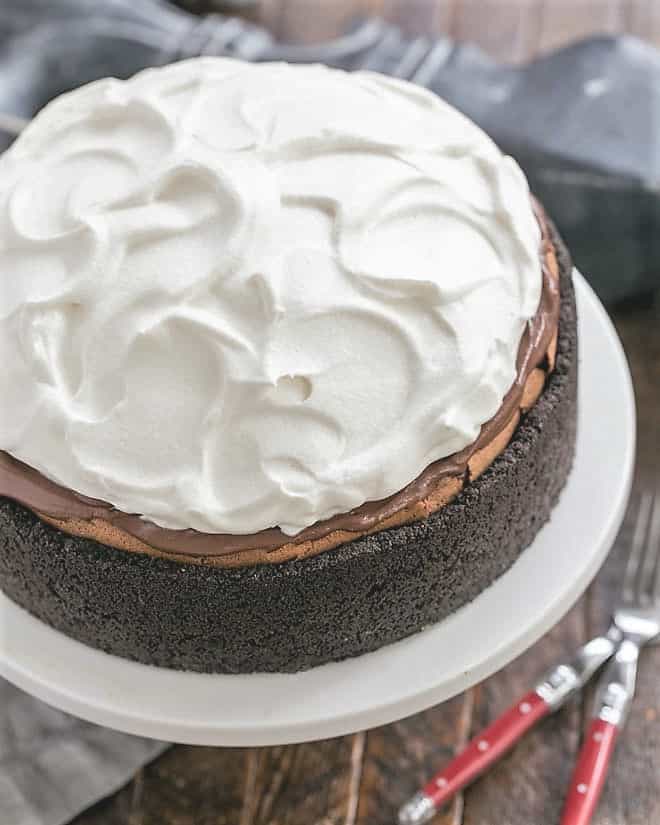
565	679
615	693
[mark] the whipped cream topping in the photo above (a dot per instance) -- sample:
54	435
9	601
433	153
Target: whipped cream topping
239	296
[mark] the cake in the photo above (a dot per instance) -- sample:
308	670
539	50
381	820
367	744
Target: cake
290	365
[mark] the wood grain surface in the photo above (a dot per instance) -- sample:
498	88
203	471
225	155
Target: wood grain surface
362	779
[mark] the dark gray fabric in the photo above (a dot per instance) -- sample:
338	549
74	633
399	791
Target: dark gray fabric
53	765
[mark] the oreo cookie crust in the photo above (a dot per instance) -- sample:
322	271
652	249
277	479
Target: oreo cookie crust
297	614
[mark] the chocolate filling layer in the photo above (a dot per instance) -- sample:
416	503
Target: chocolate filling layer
30	488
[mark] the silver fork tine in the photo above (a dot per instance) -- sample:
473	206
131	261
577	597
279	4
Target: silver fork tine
647	573
637	547
655	587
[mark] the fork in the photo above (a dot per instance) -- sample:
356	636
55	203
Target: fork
634	623
638	619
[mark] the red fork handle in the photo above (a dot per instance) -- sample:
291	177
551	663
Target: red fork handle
486	748
589	774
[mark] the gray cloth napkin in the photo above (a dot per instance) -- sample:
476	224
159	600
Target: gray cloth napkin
52	765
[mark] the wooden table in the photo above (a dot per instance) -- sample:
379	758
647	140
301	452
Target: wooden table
362	779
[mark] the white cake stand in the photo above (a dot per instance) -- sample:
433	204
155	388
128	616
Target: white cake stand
400	679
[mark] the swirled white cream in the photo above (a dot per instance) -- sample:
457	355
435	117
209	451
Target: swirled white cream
237	296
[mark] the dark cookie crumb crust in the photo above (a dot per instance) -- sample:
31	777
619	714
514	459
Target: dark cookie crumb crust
294	615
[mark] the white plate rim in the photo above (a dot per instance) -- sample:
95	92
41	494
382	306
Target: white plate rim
359	693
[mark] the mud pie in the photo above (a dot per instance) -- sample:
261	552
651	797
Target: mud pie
289	364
